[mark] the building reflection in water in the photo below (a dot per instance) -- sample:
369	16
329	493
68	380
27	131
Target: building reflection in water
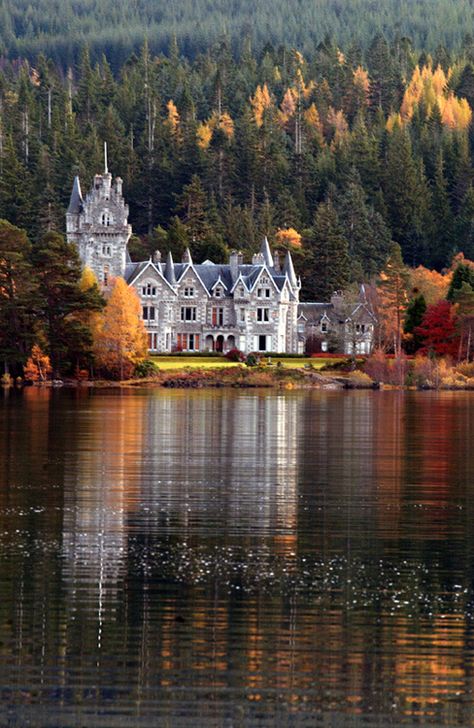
306	551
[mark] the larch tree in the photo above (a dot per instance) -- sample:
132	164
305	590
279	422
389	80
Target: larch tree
120	338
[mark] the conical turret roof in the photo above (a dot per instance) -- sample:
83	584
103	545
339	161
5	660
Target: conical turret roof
266	252
289	269
169	270
76	201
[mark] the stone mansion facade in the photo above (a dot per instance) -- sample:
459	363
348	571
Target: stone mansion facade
198	307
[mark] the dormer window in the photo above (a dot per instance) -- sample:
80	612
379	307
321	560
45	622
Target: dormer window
324	327
148	290
218	292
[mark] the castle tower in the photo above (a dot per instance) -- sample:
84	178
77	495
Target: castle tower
98	225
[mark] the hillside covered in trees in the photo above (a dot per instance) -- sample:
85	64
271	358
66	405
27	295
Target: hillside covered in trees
60	28
335	154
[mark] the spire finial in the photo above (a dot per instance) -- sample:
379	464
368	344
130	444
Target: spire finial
105	159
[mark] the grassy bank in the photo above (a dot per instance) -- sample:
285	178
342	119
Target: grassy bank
183	362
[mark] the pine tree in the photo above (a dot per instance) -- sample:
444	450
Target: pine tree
60	299
392	294
19	290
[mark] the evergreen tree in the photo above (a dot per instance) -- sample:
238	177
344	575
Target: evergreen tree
58	269
463	273
18	295
413	317
328	264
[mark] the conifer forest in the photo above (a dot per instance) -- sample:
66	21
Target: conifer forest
332	145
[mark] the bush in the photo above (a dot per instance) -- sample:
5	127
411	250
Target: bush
235	355
253	360
360	380
466	368
145	368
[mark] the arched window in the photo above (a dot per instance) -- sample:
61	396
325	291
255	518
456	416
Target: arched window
105	219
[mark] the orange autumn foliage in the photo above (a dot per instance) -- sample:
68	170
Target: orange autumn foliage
288	237
38	367
120	338
433	286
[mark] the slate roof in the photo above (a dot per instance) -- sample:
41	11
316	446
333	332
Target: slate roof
211	273
76	202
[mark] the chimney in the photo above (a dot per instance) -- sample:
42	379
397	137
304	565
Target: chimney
234	264
257	259
276	261
157	256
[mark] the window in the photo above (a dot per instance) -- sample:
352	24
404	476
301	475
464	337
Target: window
149	290
188	342
262	343
259	292
267	293
263	314
360	328
153	342
241	291
105	219
324	327
106	250
188	313
217	316
106	275
242	315
148	313
218	292
189	292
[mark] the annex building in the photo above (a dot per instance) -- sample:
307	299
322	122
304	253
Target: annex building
252	306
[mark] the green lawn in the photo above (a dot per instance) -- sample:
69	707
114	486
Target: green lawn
166	363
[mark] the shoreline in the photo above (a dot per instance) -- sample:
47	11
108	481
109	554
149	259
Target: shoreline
239	378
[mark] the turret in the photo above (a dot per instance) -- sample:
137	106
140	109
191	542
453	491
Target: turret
98	225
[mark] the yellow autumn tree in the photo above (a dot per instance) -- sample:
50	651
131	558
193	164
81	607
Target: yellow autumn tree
204	135
260	102
313	125
120	339
430	87
173	119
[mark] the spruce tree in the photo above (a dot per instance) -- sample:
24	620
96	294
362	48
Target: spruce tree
413	317
329	263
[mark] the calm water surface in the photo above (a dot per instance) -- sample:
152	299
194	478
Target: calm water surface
176	558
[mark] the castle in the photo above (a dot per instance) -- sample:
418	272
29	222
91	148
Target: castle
188	306
207	306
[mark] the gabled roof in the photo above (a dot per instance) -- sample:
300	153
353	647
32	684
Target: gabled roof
140	268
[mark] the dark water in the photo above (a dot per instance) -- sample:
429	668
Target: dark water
236	559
